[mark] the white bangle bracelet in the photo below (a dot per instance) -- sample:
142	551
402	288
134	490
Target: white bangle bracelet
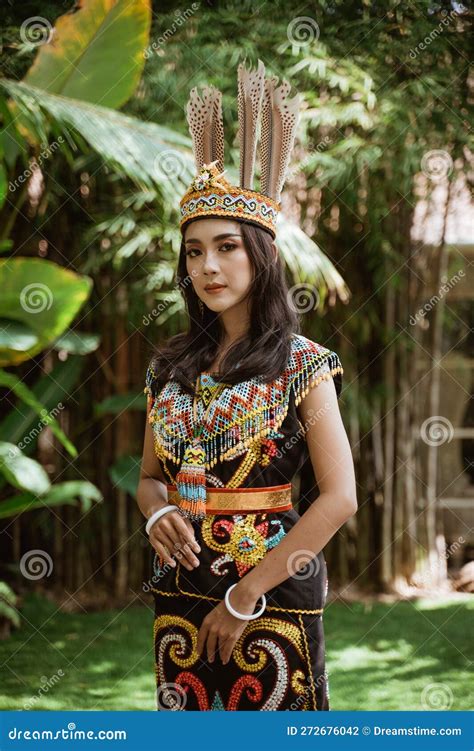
154	517
243	616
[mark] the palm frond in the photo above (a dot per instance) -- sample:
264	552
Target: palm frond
153	155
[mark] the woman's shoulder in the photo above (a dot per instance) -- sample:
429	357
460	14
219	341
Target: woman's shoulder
309	363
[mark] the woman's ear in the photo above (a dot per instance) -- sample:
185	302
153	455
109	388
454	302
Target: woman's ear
275	250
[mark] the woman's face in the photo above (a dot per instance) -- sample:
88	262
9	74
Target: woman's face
215	255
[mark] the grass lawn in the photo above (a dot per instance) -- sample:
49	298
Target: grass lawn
379	656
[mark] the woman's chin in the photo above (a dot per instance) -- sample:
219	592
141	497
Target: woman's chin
219	305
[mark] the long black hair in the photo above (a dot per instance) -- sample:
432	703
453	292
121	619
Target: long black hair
263	350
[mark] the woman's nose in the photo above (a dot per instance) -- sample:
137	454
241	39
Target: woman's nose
210	263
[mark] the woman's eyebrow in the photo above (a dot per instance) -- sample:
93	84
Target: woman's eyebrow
217	237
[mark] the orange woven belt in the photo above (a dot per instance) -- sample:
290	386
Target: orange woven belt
236	500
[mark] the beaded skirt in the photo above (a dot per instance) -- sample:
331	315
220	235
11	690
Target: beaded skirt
278	662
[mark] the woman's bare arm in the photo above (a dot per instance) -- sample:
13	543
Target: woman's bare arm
331	457
151	491
171	530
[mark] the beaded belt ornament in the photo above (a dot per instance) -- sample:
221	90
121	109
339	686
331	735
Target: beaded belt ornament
238	500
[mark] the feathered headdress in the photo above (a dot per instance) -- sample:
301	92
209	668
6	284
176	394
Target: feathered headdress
210	193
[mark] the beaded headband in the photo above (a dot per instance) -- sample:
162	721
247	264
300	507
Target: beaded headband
210	194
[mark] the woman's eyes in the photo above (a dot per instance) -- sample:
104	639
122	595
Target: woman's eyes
229	246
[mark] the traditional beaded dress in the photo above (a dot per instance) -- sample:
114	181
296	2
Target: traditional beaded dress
253	438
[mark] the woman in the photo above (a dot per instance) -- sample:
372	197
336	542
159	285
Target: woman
239	579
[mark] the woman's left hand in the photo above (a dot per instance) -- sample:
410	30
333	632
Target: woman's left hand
220	630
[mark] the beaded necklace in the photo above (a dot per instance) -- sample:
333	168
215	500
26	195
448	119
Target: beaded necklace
191	478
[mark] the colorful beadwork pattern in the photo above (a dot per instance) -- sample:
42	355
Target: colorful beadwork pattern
240	541
245	205
211	194
242	415
268	648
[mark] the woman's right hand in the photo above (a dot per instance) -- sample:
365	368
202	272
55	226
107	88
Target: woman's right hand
177	534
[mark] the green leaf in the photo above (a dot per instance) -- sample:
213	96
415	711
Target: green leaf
96	53
3	185
21	471
115	405
63	493
16	336
8	601
125	473
77	342
41	295
148	153
7	594
71	491
6	245
45	397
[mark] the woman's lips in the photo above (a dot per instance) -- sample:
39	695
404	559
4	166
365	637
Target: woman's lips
213	290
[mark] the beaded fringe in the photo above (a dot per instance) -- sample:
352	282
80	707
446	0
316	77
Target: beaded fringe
191	482
307	379
230	441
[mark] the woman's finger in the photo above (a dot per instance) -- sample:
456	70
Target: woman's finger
160	536
185	532
162	552
201	640
211	644
182	549
226	645
185	555
167	535
177	550
183	546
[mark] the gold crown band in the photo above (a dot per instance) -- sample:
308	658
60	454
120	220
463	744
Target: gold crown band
237	500
235	202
